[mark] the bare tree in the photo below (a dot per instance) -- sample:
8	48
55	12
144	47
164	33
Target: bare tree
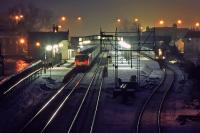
31	18
128	26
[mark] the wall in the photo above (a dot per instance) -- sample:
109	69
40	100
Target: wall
192	49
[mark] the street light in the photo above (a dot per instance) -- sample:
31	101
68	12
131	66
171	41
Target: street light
21	40
59	26
197	24
48	48
79	18
21	16
161	22
63	18
142	28
60	45
136	20
17	18
179	21
37	44
118	20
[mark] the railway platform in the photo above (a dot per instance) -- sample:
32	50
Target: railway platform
58	72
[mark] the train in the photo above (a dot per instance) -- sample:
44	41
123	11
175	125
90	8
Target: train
85	58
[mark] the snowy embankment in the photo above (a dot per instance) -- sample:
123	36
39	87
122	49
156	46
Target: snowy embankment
17	109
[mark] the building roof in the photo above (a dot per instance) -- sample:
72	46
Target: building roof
192	34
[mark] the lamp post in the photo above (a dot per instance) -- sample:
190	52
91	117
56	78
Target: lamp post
79	18
179	22
37	44
48	48
161	22
117	22
62	23
63	18
17	18
136	20
197	25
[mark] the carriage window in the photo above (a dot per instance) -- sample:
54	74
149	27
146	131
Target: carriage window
81	57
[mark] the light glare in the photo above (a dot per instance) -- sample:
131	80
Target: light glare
124	44
49	48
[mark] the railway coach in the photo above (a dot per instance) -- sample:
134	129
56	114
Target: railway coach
86	58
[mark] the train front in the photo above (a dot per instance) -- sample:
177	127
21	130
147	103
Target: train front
82	61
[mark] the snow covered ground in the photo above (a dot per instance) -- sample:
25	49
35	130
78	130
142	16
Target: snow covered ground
114	115
16	109
149	70
179	103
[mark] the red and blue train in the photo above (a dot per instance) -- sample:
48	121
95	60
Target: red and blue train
85	58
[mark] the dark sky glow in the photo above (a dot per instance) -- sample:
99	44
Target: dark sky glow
103	13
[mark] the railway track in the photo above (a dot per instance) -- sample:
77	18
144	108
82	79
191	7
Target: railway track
84	118
66	110
85	107
36	123
150	114
12	88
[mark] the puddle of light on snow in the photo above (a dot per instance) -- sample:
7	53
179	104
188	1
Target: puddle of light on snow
21	65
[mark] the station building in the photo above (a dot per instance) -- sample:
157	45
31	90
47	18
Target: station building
11	45
192	46
49	45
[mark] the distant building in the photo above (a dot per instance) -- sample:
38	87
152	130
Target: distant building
169	34
173	32
10	42
192	46
52	45
82	42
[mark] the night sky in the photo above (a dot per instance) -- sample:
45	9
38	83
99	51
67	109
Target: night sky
103	13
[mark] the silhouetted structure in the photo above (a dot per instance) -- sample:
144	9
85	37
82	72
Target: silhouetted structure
38	41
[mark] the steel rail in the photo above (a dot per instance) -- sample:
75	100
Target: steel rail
159	111
146	103
163	101
20	81
84	98
47	103
97	105
61	105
